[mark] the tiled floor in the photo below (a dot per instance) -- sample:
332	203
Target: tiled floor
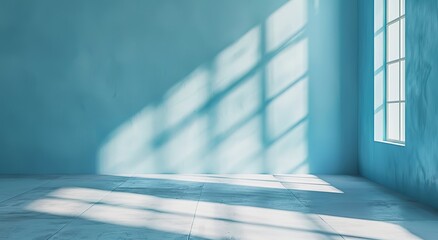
208	207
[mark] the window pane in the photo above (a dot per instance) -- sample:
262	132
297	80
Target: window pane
392	82
392	10
392	43
402	80
392	121
402	6
402	38
402	122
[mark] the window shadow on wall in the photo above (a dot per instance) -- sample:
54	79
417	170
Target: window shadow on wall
245	110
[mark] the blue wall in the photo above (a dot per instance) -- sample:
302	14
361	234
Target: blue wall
170	86
412	169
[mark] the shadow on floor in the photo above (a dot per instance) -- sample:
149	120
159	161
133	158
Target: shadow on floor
209	207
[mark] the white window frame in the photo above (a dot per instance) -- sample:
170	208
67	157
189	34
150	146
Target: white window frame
385	115
400	60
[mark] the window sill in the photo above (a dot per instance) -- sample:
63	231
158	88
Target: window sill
391	143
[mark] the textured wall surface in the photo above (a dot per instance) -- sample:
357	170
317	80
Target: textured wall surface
171	86
412	169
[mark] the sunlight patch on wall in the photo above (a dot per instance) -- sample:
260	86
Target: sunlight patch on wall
129	143
237	60
187	97
240	151
288	109
243	111
285	23
238	105
287	67
184	147
289	153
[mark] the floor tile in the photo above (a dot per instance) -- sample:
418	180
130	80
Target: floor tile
237	206
85	229
222	221
19	228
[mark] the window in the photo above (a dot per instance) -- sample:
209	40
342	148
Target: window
389	71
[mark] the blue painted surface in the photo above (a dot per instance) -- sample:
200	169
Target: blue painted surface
170	86
413	169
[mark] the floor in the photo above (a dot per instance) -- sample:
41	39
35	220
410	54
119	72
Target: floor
208	207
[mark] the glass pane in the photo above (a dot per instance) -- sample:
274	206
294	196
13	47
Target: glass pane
392	43
392	10
402	38
392	82
392	121
402	122
402	80
402	6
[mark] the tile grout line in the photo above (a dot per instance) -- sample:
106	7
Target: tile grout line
288	190
340	235
27	191
330	226
76	217
196	210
